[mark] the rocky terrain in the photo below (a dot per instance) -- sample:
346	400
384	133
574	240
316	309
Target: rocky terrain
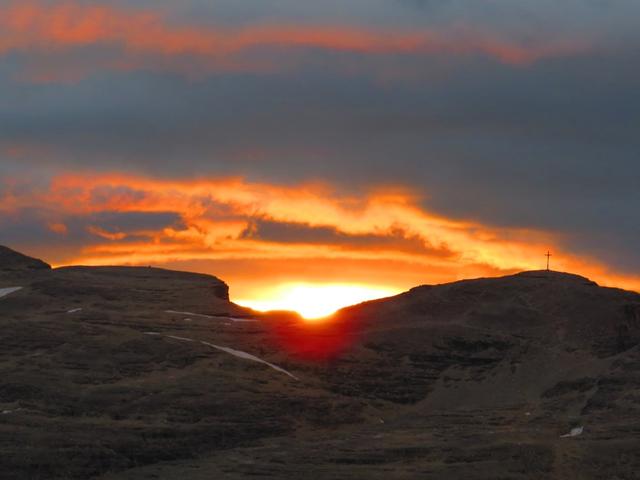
142	373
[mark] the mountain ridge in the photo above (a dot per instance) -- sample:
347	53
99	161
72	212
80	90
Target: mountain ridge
12	260
117	373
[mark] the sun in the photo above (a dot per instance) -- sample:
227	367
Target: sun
315	301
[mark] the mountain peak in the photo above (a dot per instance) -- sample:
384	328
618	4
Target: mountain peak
540	278
555	275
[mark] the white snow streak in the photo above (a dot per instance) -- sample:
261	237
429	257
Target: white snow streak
231	351
189	313
74	310
6	291
213	317
180	338
575	432
7	412
248	356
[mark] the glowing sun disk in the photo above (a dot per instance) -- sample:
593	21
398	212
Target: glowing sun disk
314	301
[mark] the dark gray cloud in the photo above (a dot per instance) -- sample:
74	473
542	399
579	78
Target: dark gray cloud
551	145
394	240
126	222
50	233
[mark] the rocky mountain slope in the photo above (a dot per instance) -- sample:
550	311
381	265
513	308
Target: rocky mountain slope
15	263
133	373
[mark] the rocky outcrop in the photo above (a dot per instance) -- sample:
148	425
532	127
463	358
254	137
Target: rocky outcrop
12	261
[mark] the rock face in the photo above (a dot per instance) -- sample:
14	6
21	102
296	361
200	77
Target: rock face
12	261
103	377
151	280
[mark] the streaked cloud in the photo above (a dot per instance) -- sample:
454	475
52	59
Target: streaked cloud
55	36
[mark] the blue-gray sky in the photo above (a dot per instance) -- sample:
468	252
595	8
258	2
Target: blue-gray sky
509	114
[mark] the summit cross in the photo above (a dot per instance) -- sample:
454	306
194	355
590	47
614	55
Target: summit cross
548	255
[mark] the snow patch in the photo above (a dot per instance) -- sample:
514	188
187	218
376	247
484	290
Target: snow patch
230	351
180	338
176	312
248	356
575	432
213	317
74	310
6	291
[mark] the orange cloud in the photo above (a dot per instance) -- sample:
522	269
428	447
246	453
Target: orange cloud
53	27
106	235
59	228
217	213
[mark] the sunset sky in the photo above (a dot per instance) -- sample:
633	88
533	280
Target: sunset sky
327	151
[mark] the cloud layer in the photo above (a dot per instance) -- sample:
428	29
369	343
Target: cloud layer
124	38
432	140
117	219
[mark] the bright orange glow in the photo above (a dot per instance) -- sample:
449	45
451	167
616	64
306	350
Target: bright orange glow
382	241
314	302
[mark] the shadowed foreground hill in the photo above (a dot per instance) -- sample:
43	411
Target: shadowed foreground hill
133	373
12	262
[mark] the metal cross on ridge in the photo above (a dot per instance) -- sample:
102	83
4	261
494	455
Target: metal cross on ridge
548	255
